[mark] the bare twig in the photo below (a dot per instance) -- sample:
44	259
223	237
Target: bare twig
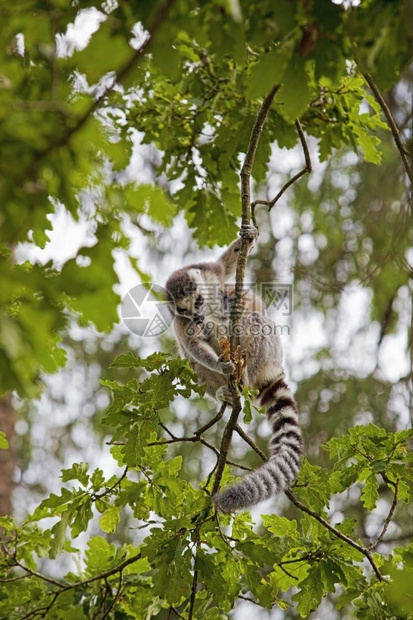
364	550
165	442
284	570
19	578
307	168
110	489
166	430
214	420
41	611
250	442
104	575
225	446
394	539
106	591
246	191
388	518
249	599
64	587
404	153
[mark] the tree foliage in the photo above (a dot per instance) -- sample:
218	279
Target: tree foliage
188	80
192	560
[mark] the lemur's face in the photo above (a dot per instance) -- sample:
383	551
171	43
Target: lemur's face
185	295
191	307
195	293
191	304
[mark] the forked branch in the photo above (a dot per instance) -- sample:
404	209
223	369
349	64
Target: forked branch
364	550
307	168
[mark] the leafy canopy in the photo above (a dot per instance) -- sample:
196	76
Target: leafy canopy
189	78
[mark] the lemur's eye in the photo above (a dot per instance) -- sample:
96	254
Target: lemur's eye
182	310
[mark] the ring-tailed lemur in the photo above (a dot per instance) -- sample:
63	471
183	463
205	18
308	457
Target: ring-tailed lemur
201	301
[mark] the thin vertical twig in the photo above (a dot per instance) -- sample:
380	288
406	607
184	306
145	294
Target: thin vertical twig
193	588
388	518
236	316
404	153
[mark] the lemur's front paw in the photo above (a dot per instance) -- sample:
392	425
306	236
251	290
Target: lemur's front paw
226	367
249	232
224	395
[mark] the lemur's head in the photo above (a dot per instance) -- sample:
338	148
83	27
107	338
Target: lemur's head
184	295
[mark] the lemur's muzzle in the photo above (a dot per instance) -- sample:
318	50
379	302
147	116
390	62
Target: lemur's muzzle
198	318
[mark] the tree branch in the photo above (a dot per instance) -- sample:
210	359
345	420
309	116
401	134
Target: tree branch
225	445
250	442
364	550
247	213
404	153
249	599
42	611
110	489
195	439
115	598
33	573
307	168
193	588
214	420
250	157
62	587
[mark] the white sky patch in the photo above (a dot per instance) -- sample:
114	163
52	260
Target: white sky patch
306	337
359	350
306	246
66	238
354	305
78	34
393	356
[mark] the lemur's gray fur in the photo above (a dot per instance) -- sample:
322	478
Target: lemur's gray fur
201	301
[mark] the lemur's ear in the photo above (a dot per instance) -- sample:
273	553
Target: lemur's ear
196	275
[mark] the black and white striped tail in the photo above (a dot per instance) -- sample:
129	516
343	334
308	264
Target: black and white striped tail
285	447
